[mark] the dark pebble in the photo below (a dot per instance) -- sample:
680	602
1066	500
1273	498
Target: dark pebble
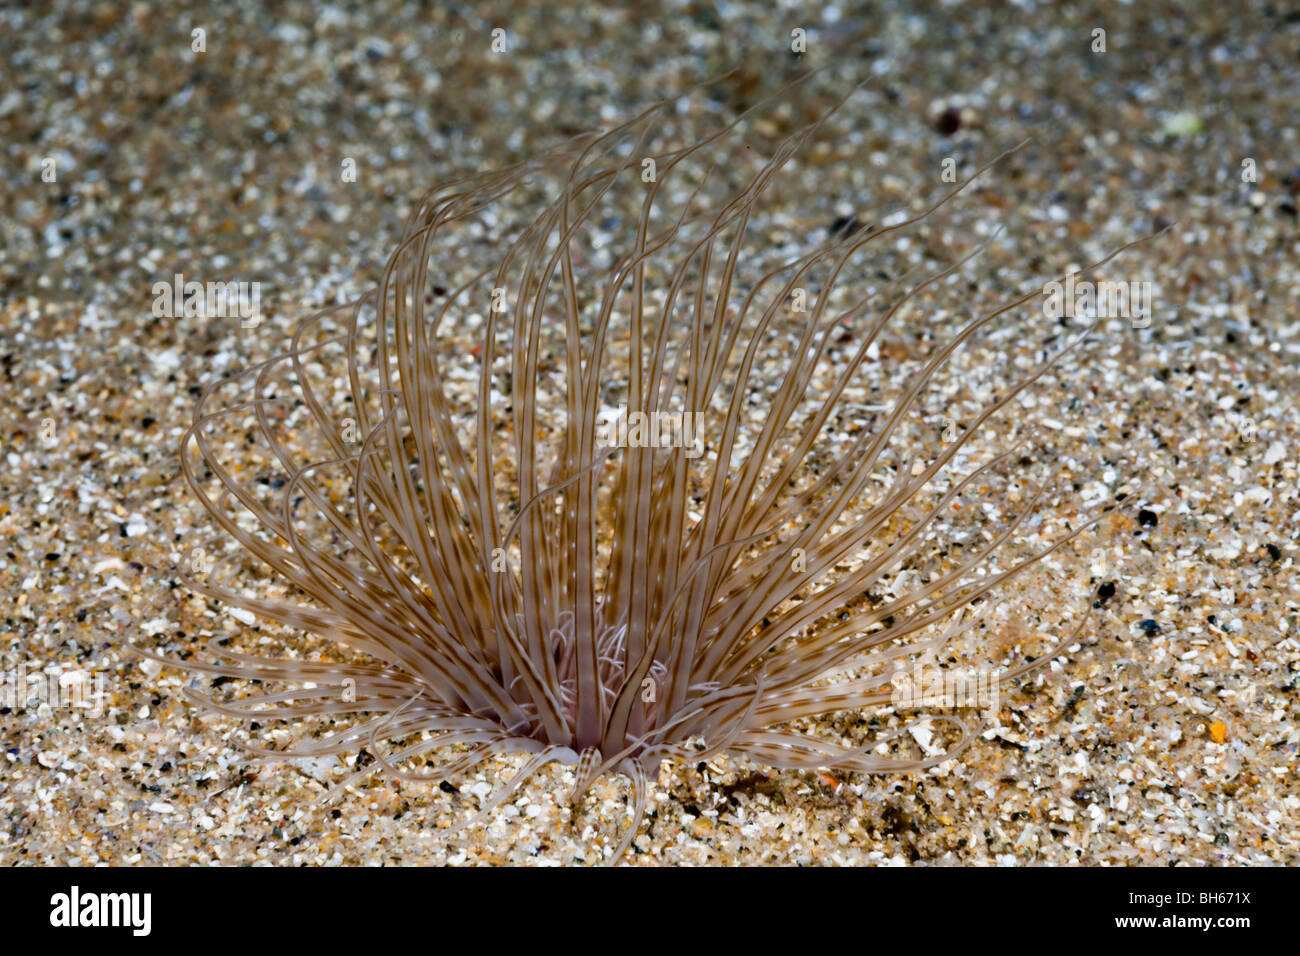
949	121
844	226
1147	519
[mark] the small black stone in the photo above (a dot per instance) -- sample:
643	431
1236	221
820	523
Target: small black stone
147	421
445	787
949	121
1106	591
843	226
1147	519
1274	552
1149	626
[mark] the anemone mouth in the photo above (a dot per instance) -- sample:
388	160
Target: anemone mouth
424	478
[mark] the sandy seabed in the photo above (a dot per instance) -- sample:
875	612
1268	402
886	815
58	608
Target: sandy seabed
1167	734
